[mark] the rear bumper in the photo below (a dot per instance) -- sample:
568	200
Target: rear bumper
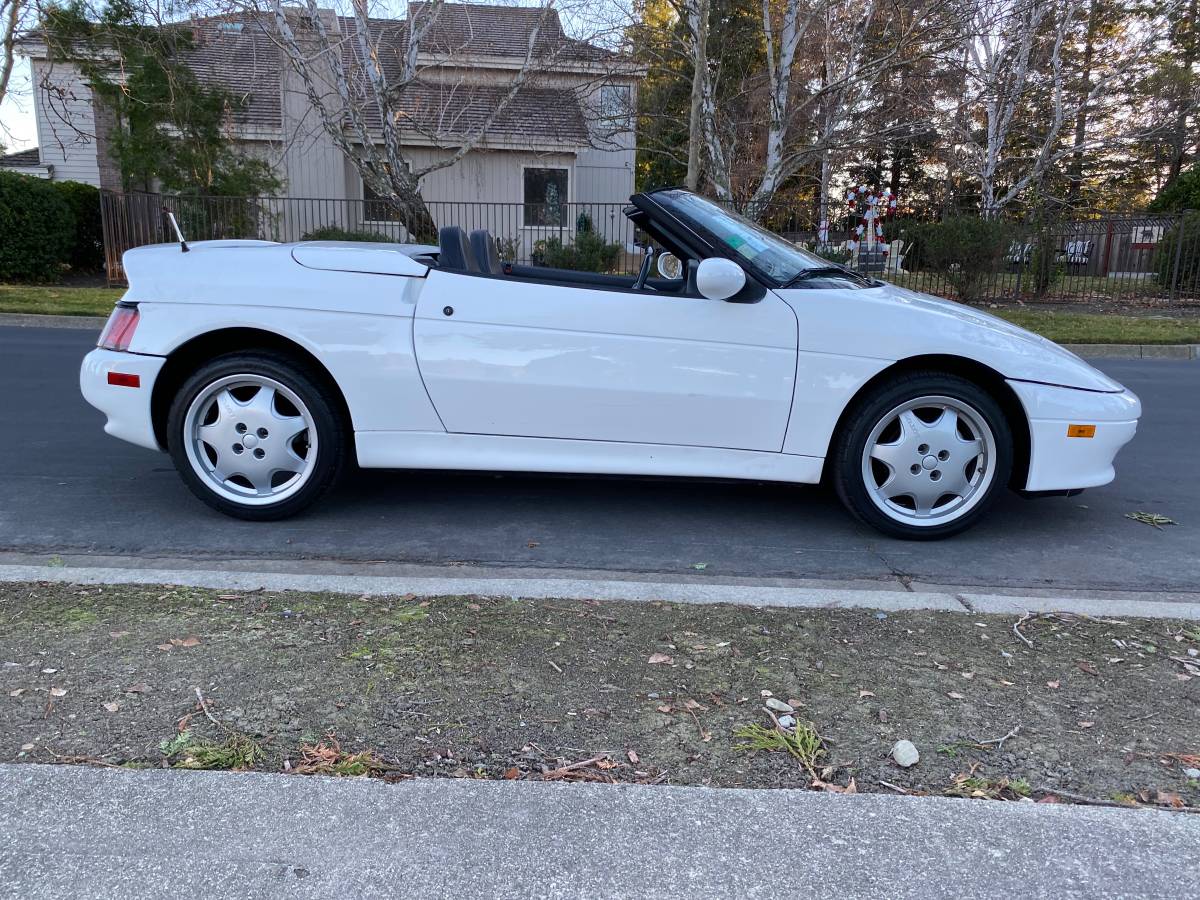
1058	462
127	408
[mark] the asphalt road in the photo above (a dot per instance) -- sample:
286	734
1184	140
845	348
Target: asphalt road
68	487
213	834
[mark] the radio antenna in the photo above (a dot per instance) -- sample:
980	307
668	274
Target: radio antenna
178	234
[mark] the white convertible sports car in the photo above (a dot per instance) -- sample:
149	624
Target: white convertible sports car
266	369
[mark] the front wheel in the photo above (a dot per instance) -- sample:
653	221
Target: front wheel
256	436
923	456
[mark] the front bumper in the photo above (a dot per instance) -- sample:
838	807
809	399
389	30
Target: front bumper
1058	462
127	408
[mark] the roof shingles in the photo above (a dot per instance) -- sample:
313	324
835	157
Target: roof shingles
236	52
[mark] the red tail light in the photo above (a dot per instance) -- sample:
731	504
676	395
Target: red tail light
118	333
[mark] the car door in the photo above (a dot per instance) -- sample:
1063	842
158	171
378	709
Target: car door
506	356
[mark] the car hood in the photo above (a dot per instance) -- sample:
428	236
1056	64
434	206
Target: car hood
896	323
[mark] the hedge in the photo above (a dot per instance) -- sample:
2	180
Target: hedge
87	250
37	229
336	233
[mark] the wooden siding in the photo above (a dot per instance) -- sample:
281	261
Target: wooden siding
66	125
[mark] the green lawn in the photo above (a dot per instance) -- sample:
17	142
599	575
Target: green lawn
1064	327
58	300
1098	328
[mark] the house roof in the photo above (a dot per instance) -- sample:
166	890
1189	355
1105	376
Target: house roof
237	52
474	29
21	159
544	115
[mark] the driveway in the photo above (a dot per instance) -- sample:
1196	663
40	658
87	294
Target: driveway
69	488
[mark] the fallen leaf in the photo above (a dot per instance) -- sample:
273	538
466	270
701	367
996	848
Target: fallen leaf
165	647
1053	685
1085	666
186	642
633	757
512	773
663	709
474	607
1167	798
27	747
955	695
58	692
1086	724
139	688
1049	798
17	693
112	707
1158	521
967	675
118	634
862	694
660	659
49	671
229	596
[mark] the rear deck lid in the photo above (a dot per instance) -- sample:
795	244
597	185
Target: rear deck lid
361	256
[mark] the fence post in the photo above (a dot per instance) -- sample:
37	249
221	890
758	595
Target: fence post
1179	237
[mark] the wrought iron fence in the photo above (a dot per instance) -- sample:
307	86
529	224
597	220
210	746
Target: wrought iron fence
1140	258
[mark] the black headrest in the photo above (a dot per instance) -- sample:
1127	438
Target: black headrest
486	252
453	250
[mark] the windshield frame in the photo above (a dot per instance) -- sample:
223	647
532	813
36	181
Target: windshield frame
667	200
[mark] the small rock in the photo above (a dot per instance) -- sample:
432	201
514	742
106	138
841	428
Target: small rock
1192	773
787	721
905	754
778	705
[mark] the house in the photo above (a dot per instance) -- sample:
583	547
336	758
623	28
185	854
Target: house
566	137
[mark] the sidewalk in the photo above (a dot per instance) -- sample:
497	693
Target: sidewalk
84	832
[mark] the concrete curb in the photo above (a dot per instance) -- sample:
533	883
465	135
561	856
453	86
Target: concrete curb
32	320
980	602
74	831
1135	351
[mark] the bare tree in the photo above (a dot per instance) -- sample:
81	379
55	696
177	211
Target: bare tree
13	17
1014	58
360	79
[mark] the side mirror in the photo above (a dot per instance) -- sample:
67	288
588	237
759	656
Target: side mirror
718	278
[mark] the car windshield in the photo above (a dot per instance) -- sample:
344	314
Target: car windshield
770	254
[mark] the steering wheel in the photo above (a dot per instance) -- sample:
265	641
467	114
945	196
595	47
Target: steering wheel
644	272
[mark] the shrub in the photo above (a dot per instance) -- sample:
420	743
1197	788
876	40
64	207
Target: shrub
1180	194
965	250
1187	232
336	233
38	228
589	253
87	248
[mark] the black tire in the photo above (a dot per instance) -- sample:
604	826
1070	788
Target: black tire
868	411
324	407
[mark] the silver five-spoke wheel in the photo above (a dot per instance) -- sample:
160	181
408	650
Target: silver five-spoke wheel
251	439
929	461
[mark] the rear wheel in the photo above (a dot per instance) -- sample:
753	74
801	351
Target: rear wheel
924	456
256	435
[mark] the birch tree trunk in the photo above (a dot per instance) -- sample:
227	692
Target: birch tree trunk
697	15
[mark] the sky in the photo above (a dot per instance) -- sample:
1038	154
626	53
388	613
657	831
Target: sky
17	128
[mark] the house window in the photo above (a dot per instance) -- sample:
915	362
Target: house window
615	102
545	198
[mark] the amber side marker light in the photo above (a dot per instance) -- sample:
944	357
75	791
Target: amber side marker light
1085	431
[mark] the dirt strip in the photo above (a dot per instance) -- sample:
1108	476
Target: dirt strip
1053	707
